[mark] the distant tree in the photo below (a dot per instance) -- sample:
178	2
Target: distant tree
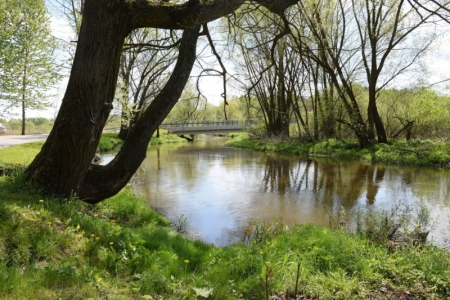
29	68
270	67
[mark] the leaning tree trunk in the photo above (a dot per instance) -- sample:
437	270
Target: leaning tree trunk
105	181
61	166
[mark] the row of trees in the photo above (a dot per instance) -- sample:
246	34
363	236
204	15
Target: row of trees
315	56
28	66
408	113
310	65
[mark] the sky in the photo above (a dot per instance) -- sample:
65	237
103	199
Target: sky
437	61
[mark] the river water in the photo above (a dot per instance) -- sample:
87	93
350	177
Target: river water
218	193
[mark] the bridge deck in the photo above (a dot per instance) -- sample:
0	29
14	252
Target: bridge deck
203	127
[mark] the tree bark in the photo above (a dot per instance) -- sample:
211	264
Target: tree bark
24	89
105	181
62	164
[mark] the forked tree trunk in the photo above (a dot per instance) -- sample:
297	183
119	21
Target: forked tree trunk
61	166
105	181
94	183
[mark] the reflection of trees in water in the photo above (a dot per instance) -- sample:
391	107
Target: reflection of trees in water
276	175
375	175
332	184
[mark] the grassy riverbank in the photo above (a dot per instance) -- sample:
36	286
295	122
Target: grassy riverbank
121	249
110	141
413	153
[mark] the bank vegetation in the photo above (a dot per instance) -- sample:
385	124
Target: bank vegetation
53	248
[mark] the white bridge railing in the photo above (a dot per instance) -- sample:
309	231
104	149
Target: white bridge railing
218	126
196	123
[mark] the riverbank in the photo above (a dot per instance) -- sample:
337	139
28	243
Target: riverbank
424	153
110	141
121	249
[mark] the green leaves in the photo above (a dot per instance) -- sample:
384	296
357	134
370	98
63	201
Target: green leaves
27	52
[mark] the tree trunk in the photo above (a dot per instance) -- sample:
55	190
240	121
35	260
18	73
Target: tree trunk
105	181
370	119
379	126
24	89
61	166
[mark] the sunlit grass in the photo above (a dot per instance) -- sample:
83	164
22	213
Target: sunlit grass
20	154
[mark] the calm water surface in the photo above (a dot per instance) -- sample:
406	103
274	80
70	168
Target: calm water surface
222	191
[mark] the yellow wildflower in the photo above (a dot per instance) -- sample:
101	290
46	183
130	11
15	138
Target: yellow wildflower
41	201
186	261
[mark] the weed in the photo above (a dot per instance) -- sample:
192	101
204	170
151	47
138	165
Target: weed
400	225
180	224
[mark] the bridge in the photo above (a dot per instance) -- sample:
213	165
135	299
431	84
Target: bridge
203	127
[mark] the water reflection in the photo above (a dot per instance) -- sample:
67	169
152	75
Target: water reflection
222	190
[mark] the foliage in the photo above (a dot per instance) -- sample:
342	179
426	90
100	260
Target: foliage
29	68
191	107
401	226
110	140
166	137
120	248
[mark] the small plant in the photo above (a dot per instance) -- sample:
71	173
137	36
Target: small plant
262	232
338	222
180	224
400	225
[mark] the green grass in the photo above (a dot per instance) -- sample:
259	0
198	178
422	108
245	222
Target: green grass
414	153
165	138
110	141
20	154
54	248
121	249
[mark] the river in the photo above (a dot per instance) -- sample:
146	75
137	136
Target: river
218	193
